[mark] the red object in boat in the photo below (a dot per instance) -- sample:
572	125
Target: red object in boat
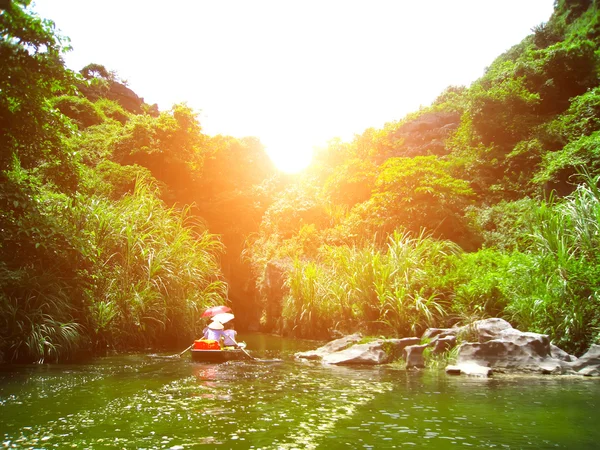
205	344
214	310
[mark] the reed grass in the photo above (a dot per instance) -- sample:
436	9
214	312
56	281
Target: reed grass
389	289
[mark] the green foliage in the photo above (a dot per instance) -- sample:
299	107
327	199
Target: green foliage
169	146
582	118
390	290
351	182
112	110
560	166
80	110
567	237
502	106
31	73
153	274
483	283
505	226
419	193
98	71
113	180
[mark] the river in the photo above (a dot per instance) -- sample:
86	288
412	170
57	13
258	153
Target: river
145	401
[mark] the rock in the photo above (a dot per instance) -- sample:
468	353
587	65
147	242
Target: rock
431	333
331	347
275	290
589	372
512	351
425	135
413	354
558	353
488	329
345	351
588	362
444	344
470	369
370	353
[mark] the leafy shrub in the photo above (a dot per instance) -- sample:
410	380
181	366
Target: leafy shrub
112	110
79	109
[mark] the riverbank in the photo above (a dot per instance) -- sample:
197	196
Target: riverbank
486	346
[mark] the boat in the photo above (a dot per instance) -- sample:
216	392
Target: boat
217	356
205	350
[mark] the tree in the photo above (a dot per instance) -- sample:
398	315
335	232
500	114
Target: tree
31	73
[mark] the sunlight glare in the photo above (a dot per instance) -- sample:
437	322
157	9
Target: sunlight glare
289	156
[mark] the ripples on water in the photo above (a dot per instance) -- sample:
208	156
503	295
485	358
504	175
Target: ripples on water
143	401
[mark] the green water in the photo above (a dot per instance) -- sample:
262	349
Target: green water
144	401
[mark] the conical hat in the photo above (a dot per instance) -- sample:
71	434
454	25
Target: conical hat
214	325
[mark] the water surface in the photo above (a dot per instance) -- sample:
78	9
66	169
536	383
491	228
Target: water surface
151	402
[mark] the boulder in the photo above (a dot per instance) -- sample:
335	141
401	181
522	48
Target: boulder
488	329
370	353
483	330
589	372
345	351
444	344
559	353
413	354
588	364
510	350
331	347
431	333
469	369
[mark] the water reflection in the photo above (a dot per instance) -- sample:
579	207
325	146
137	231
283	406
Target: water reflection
138	401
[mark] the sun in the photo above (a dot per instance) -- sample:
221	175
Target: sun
289	157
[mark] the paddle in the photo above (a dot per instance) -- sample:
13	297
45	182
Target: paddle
242	348
181	354
252	357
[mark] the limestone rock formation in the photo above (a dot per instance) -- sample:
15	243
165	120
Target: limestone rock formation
347	351
331	347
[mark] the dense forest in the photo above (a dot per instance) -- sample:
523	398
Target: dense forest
120	223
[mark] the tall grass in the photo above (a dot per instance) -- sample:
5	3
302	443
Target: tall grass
566	301
91	274
389	289
37	324
157	269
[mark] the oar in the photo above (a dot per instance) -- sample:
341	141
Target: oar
242	349
252	357
181	354
176	355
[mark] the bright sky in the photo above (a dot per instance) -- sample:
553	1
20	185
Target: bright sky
294	73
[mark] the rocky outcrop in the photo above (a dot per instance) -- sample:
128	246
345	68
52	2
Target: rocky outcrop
347	351
331	347
588	364
413	355
275	290
424	135
503	348
371	353
493	346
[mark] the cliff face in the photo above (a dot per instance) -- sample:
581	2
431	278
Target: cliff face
119	93
426	134
274	290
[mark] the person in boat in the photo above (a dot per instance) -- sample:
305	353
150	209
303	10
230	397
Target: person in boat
214	331
229	336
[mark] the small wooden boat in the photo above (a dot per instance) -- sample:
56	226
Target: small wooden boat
217	356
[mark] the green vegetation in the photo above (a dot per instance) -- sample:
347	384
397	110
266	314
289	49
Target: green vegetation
121	222
482	204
